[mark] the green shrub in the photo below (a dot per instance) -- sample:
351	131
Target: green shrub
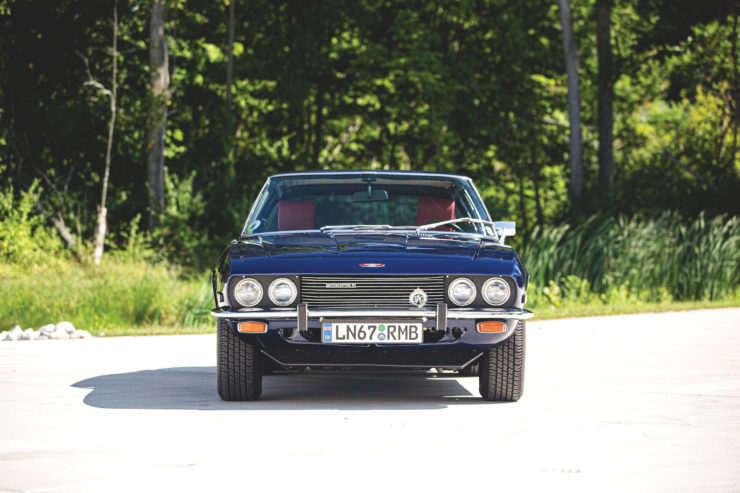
24	237
134	287
177	237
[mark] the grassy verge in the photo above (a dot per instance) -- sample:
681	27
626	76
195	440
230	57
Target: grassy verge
115	298
590	309
156	330
572	297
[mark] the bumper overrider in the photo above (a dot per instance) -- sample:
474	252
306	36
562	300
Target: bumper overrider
455	340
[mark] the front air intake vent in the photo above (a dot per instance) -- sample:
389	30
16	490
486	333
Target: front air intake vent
369	292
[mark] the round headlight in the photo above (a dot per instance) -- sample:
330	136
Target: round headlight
282	292
496	291
461	291
248	292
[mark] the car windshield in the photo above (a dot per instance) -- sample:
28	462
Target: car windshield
382	201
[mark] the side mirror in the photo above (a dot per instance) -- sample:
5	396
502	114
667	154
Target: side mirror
504	229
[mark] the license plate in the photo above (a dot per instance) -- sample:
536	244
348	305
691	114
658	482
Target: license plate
353	332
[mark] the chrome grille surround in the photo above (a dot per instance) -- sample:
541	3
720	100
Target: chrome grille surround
379	292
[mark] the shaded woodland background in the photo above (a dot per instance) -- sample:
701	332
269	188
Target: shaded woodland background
211	97
134	135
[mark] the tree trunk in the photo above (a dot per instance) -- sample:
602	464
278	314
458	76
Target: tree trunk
230	58
538	202
574	100
319	123
157	123
102	225
606	94
58	222
536	177
523	209
735	92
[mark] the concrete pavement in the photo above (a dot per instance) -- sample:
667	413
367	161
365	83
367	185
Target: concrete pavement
629	403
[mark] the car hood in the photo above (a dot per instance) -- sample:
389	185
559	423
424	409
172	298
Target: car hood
345	253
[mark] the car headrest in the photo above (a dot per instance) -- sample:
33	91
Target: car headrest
296	215
432	210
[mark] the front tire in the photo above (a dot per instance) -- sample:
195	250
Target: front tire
502	368
239	366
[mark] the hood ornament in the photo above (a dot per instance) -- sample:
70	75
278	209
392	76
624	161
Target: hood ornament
418	298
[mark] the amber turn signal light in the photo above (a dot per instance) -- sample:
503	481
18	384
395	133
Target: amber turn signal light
492	327
252	327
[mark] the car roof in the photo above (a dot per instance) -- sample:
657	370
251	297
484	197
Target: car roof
370	172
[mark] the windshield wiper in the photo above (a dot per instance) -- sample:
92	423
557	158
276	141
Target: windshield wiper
360	226
455	221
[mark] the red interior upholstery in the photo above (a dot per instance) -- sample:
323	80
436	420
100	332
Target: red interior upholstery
296	215
431	210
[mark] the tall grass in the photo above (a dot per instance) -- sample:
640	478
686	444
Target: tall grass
645	258
111	298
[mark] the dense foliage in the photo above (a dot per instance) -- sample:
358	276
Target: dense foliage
653	260
475	87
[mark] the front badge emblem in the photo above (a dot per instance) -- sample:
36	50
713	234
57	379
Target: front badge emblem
340	285
372	265
418	298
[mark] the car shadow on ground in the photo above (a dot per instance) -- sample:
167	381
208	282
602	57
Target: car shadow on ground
195	388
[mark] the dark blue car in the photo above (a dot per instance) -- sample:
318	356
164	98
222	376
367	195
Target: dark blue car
358	269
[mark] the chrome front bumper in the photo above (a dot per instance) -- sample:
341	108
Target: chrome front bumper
441	311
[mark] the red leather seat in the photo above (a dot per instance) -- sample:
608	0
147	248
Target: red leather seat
432	210
294	215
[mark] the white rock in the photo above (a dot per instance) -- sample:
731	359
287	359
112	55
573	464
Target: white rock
67	326
16	328
80	334
11	336
47	329
4	335
60	334
42	337
27	335
16	331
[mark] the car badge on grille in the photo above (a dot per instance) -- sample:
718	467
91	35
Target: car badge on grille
340	285
372	265
418	298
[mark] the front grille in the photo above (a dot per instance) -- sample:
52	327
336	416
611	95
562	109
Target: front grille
369	292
